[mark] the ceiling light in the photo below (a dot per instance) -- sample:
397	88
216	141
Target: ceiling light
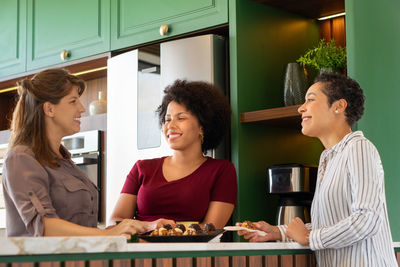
77	73
332	16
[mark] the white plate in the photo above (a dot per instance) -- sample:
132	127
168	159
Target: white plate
239	228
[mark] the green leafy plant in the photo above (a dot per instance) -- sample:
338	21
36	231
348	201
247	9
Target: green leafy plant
325	56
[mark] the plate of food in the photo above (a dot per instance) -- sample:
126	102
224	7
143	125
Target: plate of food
181	233
246	226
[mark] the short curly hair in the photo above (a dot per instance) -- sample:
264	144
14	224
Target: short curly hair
206	102
339	86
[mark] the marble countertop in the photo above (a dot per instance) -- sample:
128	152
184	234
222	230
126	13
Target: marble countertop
58	245
99	244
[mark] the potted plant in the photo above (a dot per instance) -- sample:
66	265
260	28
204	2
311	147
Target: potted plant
325	57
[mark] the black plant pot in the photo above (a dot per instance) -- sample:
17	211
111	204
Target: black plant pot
295	85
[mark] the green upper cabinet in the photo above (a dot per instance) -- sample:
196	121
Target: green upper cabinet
12	37
136	22
81	28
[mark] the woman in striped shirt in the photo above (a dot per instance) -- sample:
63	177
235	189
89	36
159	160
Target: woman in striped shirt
349	221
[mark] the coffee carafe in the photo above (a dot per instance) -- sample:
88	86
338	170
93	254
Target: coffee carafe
295	185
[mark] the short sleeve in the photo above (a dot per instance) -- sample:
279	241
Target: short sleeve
133	180
27	185
225	186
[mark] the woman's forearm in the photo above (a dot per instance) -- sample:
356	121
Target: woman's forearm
59	227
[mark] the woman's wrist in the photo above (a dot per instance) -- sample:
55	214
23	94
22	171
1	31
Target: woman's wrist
307	241
277	233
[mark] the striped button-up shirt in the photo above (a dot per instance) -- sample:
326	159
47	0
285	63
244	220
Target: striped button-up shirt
349	220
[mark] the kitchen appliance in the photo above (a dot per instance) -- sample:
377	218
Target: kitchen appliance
86	151
295	185
135	84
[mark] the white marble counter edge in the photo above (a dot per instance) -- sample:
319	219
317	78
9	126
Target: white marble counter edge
161	247
70	245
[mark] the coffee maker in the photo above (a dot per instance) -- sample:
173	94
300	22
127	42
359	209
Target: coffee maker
295	185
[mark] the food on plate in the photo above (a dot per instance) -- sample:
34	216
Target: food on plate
167	226
180	229
209	228
248	225
193	229
154	233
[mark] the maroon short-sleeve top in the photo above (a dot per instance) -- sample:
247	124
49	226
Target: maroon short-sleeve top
186	199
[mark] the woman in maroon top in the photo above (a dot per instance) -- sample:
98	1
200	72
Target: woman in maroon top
187	186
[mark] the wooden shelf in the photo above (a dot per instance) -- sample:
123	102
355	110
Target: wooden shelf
310	8
284	117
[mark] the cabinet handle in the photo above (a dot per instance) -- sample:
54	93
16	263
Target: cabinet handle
163	29
64	54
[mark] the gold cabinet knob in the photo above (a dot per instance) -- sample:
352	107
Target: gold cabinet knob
64	54
163	29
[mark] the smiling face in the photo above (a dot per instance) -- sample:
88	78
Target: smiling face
65	116
318	118
181	129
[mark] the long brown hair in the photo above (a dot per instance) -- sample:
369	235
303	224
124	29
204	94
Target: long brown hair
28	121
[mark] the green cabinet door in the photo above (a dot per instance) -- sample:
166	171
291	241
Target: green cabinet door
12	37
135	22
81	28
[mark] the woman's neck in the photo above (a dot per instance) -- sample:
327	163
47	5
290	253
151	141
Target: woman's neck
187	158
54	141
335	137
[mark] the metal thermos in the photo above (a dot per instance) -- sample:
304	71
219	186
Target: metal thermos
295	185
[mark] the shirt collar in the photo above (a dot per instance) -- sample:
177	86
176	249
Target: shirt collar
345	140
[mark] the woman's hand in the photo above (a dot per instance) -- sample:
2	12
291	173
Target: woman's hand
158	223
298	232
272	231
127	227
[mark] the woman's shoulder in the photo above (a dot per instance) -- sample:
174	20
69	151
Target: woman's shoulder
149	163
219	163
359	141
20	150
357	138
21	158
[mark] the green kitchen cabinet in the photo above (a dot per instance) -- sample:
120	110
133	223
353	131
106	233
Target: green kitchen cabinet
12	37
73	28
136	22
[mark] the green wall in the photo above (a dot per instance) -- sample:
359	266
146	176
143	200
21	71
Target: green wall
373	47
262	41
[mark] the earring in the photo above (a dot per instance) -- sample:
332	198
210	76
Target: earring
336	111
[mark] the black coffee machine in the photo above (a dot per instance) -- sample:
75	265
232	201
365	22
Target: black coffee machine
295	185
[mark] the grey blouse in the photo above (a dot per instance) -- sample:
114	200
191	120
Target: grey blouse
32	191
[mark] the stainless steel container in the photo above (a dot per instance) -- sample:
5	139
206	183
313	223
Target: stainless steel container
290	178
289	209
295	184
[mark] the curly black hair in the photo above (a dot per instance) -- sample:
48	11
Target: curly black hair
339	86
206	102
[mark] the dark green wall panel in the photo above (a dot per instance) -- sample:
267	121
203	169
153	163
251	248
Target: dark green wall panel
373	45
262	41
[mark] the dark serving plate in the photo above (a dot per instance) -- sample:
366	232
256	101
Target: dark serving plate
180	238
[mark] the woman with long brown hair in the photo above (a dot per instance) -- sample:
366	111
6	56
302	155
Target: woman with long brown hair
45	192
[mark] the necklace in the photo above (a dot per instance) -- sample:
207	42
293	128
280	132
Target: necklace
323	167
